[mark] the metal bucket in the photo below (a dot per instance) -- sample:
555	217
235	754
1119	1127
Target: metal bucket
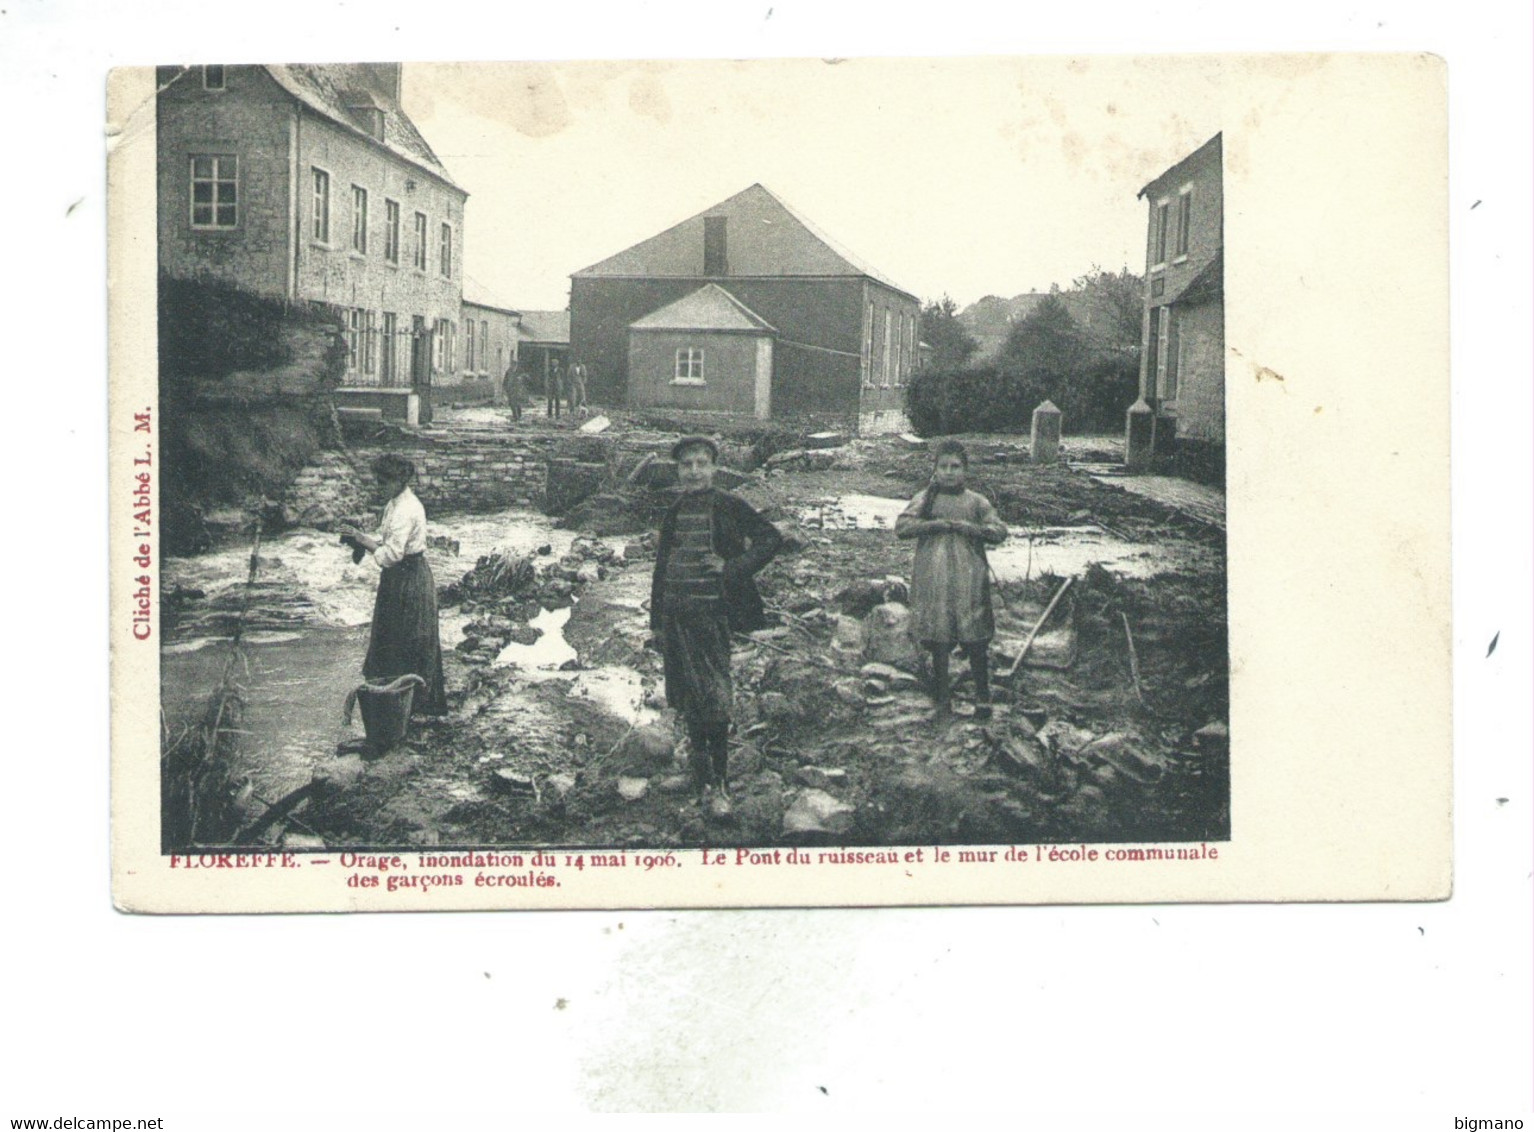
385	709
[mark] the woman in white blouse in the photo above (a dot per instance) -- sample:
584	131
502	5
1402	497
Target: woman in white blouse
404	638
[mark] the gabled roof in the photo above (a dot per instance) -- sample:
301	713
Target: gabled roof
1211	148
546	327
324	87
765	237
710	307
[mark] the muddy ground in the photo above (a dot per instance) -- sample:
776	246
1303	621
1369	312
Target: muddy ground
1112	730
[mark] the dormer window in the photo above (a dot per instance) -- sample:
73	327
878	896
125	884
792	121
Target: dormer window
213	77
366	112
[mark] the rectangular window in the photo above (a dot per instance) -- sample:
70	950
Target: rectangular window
369	333
388	346
443	347
391	230
1163	212
353	339
1184	219
484	344
213	77
468	346
359	220
215	190
1152	354
1171	350
419	252
446	256
320	228
868	345
689	366
884	362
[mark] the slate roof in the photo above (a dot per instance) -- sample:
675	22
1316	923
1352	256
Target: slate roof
1207	286
710	307
1211	148
545	327
766	237
323	88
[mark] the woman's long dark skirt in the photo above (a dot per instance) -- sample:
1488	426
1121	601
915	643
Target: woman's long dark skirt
405	638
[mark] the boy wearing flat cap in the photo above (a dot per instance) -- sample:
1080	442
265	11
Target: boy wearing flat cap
711	546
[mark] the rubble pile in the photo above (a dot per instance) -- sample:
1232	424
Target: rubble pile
504	593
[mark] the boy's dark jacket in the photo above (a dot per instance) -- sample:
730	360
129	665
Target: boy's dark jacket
733	521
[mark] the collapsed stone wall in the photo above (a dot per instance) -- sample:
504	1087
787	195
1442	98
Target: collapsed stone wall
459	474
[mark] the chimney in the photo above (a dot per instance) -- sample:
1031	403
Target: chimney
716	247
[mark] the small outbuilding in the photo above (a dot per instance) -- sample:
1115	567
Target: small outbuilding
706	351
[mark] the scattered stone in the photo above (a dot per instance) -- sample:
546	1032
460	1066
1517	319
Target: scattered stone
339	774
775	707
1126	756
1020	755
633	789
596	424
848	635
849	692
1058	735
859	598
815	811
820	777
589	572
825	440
892	676
647	750
1213	738
545	550
888	639
302	841
508	781
674	784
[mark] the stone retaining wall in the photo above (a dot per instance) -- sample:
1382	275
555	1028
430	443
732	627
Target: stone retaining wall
462	472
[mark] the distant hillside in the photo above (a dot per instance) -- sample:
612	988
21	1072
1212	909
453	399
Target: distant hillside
989	319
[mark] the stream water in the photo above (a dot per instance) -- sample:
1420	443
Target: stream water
310	609
1029	551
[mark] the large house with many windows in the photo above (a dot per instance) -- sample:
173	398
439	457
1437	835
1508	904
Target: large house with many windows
1182	367
746	308
309	183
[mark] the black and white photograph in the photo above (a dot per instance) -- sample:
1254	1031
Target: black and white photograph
518	489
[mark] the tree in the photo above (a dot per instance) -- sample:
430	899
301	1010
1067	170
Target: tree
1115	306
952	344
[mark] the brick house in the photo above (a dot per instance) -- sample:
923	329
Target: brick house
841	338
309	183
1182	367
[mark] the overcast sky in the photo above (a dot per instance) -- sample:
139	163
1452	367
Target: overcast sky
965	176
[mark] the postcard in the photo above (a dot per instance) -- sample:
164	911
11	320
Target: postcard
779	483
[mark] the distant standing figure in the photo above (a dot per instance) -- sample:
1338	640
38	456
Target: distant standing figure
578	387
950	580
512	385
404	638
555	380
